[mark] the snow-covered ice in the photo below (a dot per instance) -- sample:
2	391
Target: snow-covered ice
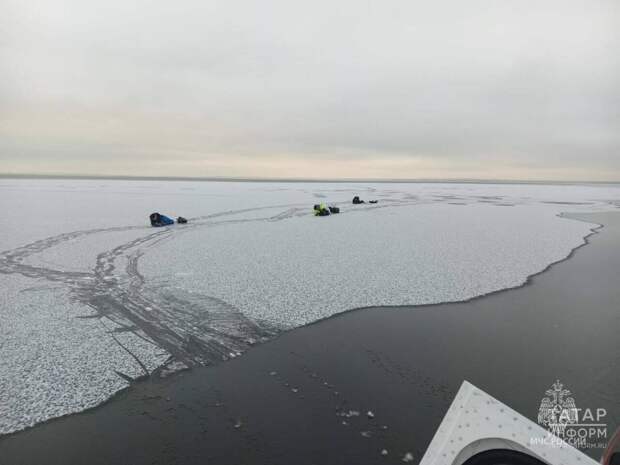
293	272
91	297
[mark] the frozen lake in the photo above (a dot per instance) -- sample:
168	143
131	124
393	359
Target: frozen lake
92	297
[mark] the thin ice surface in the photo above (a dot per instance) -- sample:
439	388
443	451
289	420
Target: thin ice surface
55	359
92	298
413	254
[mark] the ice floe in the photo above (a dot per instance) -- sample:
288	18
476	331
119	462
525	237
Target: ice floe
91	297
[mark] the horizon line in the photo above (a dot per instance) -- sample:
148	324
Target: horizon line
300	180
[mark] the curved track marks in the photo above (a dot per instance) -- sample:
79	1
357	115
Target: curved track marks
194	329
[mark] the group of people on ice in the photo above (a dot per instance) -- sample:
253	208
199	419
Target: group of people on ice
323	210
158	220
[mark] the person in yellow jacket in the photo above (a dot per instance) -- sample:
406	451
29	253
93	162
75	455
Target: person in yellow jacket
321	210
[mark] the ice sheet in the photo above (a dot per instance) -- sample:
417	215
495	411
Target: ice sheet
91	297
54	359
293	272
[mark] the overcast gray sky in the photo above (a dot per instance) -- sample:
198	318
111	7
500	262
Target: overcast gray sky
523	89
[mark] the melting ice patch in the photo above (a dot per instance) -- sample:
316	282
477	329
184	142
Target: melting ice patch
92	298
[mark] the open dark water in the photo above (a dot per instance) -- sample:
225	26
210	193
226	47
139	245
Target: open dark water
283	402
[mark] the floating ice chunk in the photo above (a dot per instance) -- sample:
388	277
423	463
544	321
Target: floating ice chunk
370	414
408	457
443	260
366	434
384	452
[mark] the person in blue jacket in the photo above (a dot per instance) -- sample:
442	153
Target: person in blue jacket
158	219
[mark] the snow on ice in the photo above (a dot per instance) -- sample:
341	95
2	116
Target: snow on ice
92	297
